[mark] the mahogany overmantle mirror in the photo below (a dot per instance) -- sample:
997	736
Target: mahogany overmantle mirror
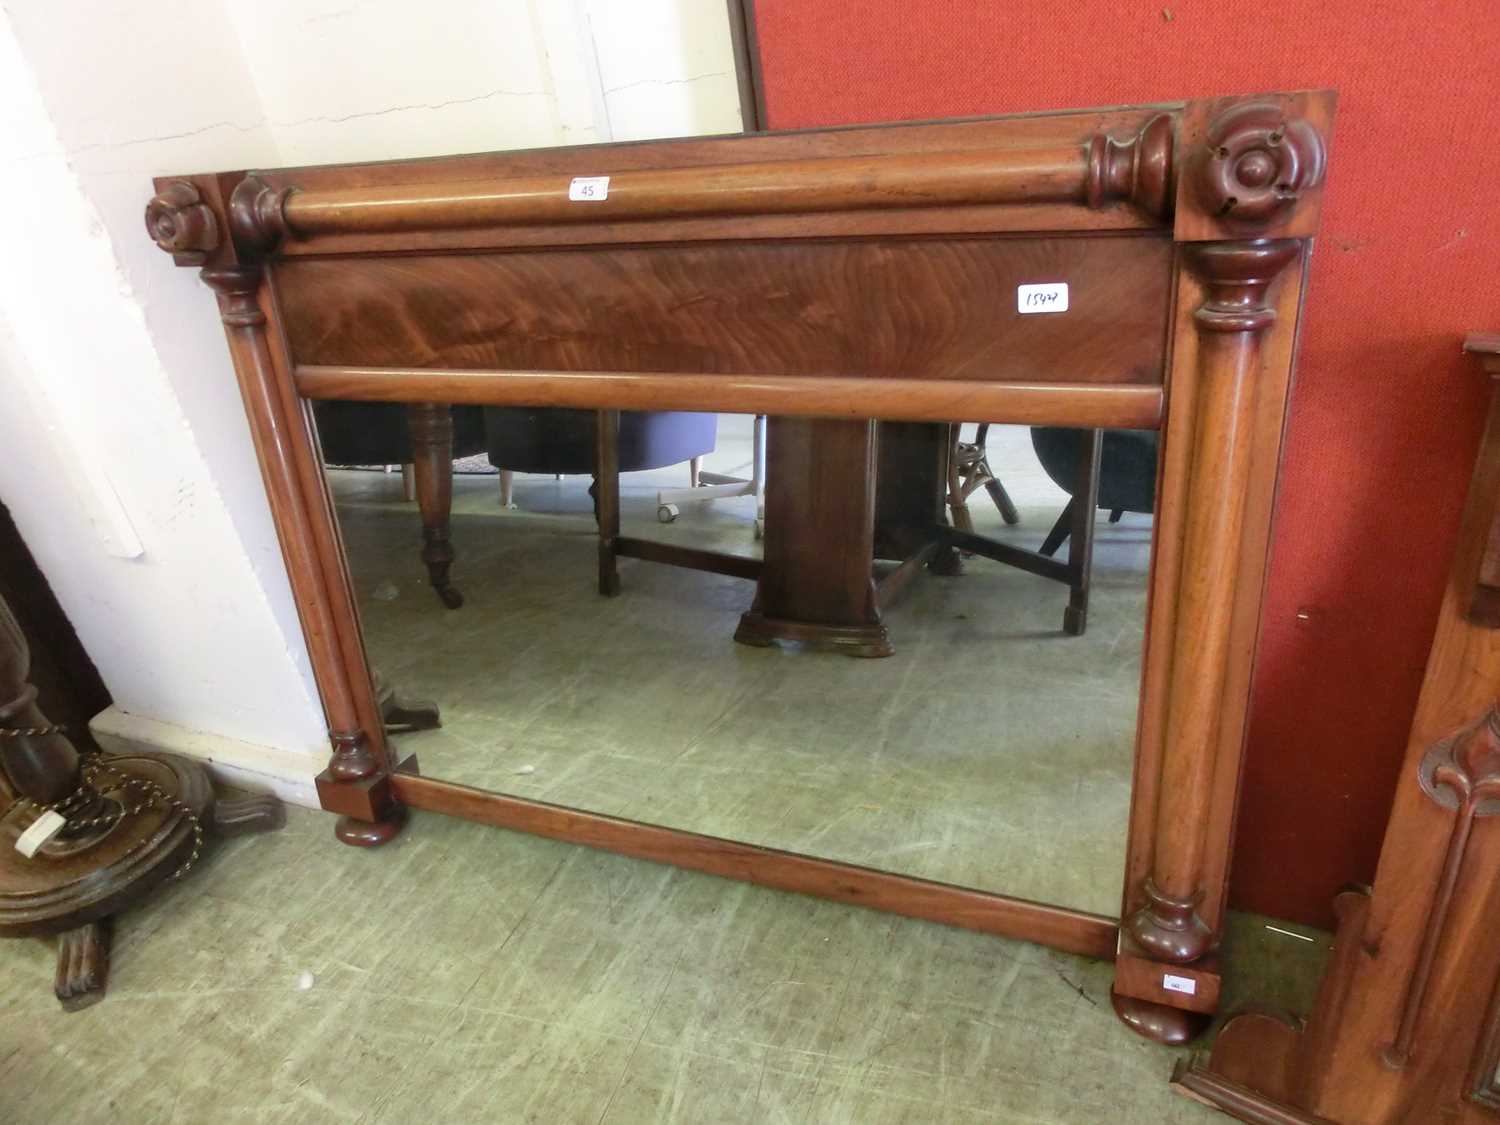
862	290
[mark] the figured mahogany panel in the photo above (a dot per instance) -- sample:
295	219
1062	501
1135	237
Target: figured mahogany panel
923	308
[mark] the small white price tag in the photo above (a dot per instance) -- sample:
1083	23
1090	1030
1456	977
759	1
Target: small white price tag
42	829
1179	984
588	189
1050	297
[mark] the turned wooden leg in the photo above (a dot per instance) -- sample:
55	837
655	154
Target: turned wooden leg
83	965
606	493
430	425
1081	535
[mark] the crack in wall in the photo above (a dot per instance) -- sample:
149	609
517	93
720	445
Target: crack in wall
665	81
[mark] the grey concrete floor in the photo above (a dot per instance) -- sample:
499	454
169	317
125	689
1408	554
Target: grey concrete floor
467	974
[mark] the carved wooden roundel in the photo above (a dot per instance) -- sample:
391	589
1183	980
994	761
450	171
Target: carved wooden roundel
181	223
1257	161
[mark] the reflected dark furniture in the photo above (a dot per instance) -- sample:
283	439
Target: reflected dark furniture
1110	469
427	436
562	441
1406	1027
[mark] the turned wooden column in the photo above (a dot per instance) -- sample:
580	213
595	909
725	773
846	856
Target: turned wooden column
245	328
183	223
430	427
1231	323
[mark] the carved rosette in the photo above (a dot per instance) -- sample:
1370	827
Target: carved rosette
1256	163
182	224
1137	168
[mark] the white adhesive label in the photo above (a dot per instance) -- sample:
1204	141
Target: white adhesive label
1179	984
42	829
1051	297
588	189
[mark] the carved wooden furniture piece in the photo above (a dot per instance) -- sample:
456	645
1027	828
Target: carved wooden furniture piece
130	822
1407	1023
827	279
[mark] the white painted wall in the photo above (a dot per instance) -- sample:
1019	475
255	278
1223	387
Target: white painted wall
124	454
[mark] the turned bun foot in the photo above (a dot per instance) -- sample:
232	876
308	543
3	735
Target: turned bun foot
1160	1023
370	833
83	965
448	595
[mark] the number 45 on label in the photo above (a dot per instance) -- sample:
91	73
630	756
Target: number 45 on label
588	189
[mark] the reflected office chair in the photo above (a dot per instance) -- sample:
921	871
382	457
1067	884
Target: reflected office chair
560	441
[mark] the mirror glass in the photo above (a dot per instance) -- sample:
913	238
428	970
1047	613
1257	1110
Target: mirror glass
989	750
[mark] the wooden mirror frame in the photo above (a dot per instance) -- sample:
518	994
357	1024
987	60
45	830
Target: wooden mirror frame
1235	182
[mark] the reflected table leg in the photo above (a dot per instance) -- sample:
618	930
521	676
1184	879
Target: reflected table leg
815	587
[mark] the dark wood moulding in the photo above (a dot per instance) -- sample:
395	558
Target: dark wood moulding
1090	935
1092	405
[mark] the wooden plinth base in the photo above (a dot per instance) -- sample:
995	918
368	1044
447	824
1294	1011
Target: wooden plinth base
66	885
871	640
75	887
1249	1075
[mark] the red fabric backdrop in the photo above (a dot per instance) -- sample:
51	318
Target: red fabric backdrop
1385	412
